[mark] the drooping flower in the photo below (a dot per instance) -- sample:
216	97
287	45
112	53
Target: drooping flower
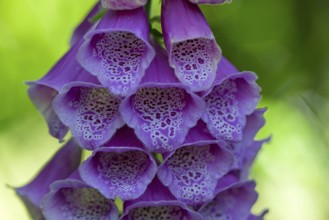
43	91
192	49
120	169
123	4
74	199
191	172
117	50
90	111
234	203
157	203
162	110
228	104
62	164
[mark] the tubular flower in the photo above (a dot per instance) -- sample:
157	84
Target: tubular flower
43	91
119	170
234	203
64	162
73	199
90	111
192	49
162	110
117	50
171	128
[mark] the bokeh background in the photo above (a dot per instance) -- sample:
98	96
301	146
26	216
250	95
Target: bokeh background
286	42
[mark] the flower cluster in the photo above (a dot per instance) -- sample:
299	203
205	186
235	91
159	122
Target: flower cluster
171	125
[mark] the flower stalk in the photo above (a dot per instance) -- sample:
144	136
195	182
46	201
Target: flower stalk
171	126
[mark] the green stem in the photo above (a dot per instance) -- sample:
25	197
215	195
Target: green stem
148	8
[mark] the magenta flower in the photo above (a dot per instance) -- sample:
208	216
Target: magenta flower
192	49
117	50
123	4
73	199
64	162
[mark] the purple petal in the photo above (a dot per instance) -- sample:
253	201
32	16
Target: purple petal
119	171
73	199
43	91
246	150
157	203
161	210
192	172
228	104
123	4
155	192
234	203
228	180
63	163
90	111
193	51
85	25
117	51
161	111
162	117
210	1
42	97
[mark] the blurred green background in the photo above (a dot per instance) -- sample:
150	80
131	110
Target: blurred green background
286	42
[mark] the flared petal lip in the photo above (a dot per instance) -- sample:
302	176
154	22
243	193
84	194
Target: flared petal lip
249	76
165	85
150	54
133	122
56	106
194	214
121	149
82	169
195	143
73	183
249	184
